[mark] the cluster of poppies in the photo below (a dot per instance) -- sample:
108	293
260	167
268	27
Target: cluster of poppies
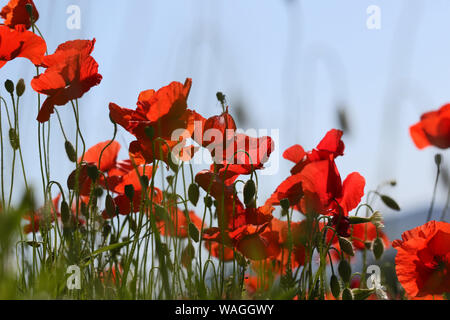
314	187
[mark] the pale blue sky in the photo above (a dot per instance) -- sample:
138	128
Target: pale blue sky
289	64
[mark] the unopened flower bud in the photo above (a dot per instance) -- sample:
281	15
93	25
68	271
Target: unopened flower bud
345	270
193	193
249	191
129	191
347	294
70	151
20	87
378	248
9	86
346	246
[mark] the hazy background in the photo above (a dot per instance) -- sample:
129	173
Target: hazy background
287	65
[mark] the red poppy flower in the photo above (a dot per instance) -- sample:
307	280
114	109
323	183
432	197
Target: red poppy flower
162	112
423	259
16	15
123	203
315	185
178	224
361	233
432	129
108	165
41	217
15	44
71	72
215	248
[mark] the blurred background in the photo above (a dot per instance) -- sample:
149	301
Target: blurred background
299	66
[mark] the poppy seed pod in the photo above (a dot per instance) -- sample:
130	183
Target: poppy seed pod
9	86
129	191
20	87
284	203
92	172
438	159
144	181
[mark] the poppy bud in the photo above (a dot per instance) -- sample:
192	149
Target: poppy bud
34	244
172	163
161	213
110	206
98	192
335	286
285	204
393	183
438	159
9	86
70	151
170	179
92	172
144	181
208	201
358	220
378	248
129	191
368	245
391	203
193	193
150	132
20	87
65	212
249	191
346	246
193	232
347	294
345	270
106	230
187	255
14	139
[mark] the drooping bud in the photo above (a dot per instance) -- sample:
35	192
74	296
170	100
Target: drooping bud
362	294
335	286
65	212
345	270
378	248
70	151
346	246
110	206
193	193
249	191
129	191
193	232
